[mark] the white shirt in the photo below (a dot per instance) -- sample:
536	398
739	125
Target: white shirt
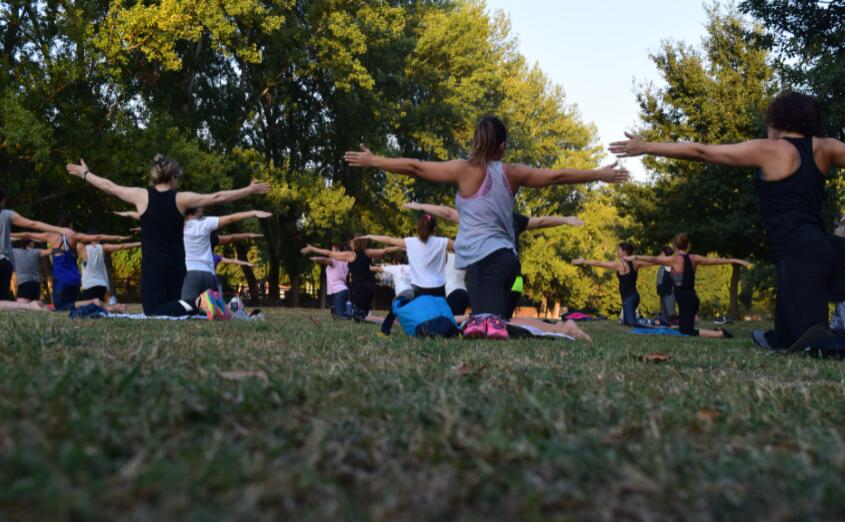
94	270
455	278
427	261
401	277
197	234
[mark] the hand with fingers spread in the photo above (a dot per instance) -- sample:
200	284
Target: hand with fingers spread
632	147
573	221
613	174
261	214
259	187
77	170
361	159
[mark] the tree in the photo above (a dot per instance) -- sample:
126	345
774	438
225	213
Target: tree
715	94
809	36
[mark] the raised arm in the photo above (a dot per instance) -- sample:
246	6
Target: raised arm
109	248
90	238
131	195
375	253
325	261
20	221
835	151
437	171
387	240
186	200
651	260
132	214
443	212
607	265
716	261
763	153
41	237
236	262
340	256
535	223
231	238
525	176
241	216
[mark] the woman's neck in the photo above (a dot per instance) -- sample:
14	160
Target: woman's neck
163	187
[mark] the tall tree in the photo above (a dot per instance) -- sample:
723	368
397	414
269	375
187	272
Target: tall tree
714	94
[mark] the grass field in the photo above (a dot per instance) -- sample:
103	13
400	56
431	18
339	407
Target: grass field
302	418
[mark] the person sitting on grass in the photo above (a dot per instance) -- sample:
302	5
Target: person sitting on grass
162	214
8	219
486	246
28	270
359	257
626	273
684	265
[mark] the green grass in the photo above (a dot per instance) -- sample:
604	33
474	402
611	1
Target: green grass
116	420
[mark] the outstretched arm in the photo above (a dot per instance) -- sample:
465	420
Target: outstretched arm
836	152
109	248
41	237
231	238
132	195
241	216
437	171
650	260
377	269
525	176
132	214
20	221
90	238
754	153
387	240
325	261
607	265
236	262
443	212
375	253
186	200
716	261
535	223
340	256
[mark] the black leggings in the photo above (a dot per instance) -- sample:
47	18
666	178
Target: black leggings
161	288
804	280
458	301
688	304
6	271
490	281
362	299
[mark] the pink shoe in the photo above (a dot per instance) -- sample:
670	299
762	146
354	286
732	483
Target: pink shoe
497	328
475	328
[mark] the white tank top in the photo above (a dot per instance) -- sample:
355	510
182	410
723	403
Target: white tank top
486	219
455	278
94	270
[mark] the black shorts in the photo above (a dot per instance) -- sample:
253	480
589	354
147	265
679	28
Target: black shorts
30	290
95	292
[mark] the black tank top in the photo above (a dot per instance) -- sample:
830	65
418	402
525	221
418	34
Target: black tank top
359	270
162	235
792	207
627	282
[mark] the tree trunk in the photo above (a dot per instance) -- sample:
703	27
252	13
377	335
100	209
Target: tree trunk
733	307
323	287
556	314
251	280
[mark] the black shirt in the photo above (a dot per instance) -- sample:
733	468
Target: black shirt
162	234
359	270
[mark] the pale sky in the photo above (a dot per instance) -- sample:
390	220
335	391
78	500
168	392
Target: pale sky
596	50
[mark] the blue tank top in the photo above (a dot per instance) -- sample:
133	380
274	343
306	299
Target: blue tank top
65	267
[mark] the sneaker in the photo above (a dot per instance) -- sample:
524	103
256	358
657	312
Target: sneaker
497	328
210	305
475	328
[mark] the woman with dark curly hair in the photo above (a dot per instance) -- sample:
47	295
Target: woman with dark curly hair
792	163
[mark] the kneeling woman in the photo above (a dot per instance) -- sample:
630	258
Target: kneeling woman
626	272
683	266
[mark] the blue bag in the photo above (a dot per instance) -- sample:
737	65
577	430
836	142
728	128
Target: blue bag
426	316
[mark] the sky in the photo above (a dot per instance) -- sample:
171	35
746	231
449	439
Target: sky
597	49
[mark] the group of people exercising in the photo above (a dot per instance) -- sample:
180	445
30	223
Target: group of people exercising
482	265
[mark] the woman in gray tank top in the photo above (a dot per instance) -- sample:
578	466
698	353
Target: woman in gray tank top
485	246
28	270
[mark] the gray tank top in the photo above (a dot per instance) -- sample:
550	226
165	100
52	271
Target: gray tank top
6	251
28	265
94	270
486	219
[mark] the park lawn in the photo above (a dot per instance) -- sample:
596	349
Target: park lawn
124	420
